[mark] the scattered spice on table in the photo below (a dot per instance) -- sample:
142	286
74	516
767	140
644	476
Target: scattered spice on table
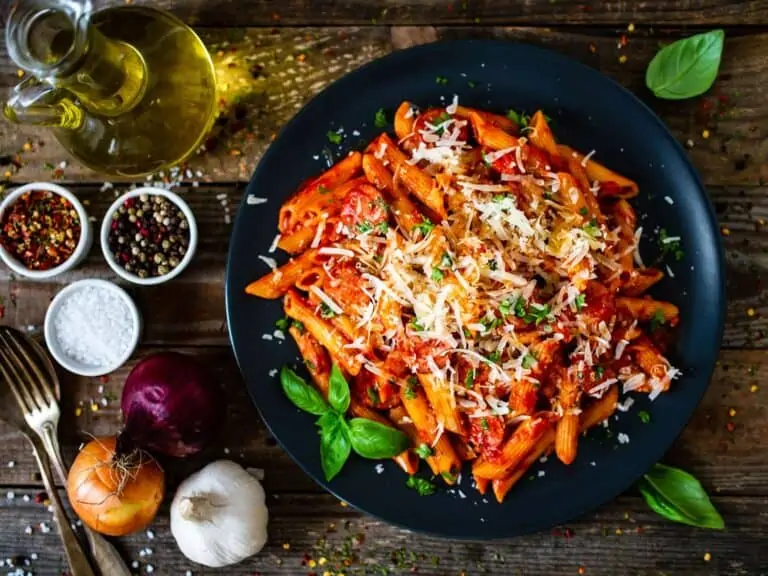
149	236
93	325
40	229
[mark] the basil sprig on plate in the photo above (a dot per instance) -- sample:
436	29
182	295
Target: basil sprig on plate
339	437
678	496
686	68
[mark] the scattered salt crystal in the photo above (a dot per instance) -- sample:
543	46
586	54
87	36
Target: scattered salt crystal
226	450
266	337
150	534
253	200
149	568
188	573
273	372
100	389
26	498
11	495
33	556
379	468
11	463
104	402
622	438
279	334
44	527
668	200
355	133
107	186
592	463
541	473
28	530
135	564
63	164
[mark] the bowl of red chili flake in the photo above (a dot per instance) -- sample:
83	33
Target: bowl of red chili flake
44	231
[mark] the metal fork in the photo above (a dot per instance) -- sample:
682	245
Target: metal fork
20	360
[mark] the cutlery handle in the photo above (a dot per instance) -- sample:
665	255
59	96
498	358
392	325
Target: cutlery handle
78	562
105	556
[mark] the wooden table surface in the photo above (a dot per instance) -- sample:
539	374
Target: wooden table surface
272	56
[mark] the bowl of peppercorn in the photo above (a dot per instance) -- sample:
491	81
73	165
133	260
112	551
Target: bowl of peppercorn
149	236
44	231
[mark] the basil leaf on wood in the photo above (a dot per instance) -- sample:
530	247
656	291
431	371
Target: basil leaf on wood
686	68
678	496
338	391
335	446
373	440
303	395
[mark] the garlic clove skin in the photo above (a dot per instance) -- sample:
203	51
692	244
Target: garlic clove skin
219	516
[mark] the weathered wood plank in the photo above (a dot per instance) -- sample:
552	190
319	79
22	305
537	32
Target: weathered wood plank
732	462
498	12
740	211
623	537
293	64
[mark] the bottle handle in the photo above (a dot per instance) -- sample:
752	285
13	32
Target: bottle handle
39	103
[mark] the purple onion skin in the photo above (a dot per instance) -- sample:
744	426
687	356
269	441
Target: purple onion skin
171	405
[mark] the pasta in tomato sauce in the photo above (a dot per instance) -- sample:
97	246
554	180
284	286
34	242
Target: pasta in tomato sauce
479	284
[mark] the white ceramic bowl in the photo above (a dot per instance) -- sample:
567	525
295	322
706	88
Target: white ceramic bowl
72	364
105	229
81	250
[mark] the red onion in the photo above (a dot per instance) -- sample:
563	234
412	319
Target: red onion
171	405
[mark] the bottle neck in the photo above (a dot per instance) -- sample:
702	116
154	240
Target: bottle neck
109	78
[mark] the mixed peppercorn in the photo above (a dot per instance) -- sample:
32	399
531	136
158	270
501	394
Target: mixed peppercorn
41	230
149	235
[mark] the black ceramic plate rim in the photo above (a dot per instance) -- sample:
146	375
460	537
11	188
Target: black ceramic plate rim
610	487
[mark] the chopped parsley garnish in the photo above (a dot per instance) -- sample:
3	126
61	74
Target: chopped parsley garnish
583	211
283	323
445	260
322	189
469	381
536	314
505	308
424	451
441	80
520	307
299	326
381	203
490	323
416	325
309	364
528	361
484	424
380	119
593	228
599	371
657	320
471	83
670	247
448	477
499	198
326	311
437	275
364	227
580	301
492	264
644	416
425	227
334	137
382	227
519	119
423	486
410	388
373	395
439	123
494	356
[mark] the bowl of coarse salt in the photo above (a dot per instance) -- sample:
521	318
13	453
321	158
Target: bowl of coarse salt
92	327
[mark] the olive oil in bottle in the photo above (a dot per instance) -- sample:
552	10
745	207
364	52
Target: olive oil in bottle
127	90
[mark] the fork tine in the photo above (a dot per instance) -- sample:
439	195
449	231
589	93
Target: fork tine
21	374
20	343
10	381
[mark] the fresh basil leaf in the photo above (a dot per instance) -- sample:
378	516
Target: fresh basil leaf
373	440
686	68
678	496
338	391
335	446
303	395
423	486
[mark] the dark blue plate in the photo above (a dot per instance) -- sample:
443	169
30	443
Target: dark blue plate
589	112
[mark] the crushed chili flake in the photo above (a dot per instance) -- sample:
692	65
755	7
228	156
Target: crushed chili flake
40	229
730	426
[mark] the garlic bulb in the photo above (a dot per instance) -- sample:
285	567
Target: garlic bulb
218	515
